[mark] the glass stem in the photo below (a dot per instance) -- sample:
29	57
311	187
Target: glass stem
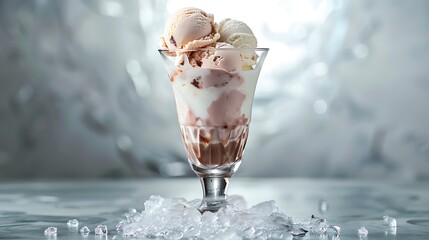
214	193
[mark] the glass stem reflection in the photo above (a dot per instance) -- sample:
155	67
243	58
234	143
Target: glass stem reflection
214	193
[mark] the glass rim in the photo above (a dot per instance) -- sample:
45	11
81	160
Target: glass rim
179	50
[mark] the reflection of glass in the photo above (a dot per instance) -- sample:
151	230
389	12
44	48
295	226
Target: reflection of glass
214	108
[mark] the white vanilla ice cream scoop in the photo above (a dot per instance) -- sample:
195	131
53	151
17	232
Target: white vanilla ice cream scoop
239	35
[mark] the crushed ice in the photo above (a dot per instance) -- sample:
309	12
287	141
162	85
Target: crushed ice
390	225
362	232
101	230
177	218
389	221
73	223
84	230
50	231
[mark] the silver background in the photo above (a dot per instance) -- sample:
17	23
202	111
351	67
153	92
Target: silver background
343	93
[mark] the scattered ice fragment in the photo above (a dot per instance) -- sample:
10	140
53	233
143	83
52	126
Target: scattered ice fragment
101	230
298	231
84	230
319	226
334	230
50	231
323	206
389	221
362	231
73	223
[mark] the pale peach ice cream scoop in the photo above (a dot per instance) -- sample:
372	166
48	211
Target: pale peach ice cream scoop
189	28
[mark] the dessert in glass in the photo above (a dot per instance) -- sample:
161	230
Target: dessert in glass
213	69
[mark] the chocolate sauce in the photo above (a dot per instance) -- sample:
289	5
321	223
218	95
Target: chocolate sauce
196	82
172	41
210	147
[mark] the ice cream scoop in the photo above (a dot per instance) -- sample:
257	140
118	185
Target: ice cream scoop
189	28
236	33
239	35
227	60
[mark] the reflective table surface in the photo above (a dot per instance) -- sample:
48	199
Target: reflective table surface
28	208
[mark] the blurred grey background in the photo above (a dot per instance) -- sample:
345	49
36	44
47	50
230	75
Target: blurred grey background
344	91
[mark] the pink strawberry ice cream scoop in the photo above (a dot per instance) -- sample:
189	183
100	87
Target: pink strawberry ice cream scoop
228	60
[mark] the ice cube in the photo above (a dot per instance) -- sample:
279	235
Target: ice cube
154	203
248	232
323	206
319	226
362	232
389	221
133	217
261	233
280	219
264	208
191	215
237	202
333	230
208	218
280	235
191	232
84	230
50	231
177	206
298	231
225	235
173	235
73	223
101	230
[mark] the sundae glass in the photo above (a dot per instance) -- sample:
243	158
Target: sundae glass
213	87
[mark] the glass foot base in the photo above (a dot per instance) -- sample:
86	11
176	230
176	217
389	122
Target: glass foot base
214	190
